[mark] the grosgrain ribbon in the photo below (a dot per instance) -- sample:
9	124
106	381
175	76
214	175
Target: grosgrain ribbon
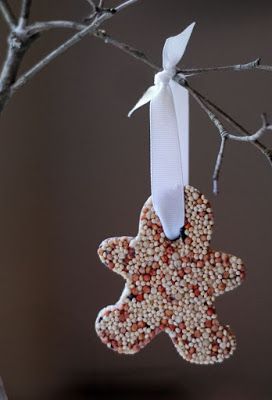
169	137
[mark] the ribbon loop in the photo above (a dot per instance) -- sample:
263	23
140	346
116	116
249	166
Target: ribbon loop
169	137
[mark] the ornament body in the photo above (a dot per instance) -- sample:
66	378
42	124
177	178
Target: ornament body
170	286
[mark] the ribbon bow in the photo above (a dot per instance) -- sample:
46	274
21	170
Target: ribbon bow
169	137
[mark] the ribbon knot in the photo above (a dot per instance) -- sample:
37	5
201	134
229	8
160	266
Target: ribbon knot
164	76
169	137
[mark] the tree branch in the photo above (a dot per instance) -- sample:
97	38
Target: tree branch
87	30
58	51
100	15
211	106
7	14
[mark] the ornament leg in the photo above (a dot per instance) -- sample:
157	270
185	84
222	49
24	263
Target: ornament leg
205	345
121	331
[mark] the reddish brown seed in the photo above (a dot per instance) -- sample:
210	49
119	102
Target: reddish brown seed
141	336
203	238
110	265
222	286
122	318
210	291
210	311
192	350
181	273
139	297
214	328
181	326
134	327
135	278
197	333
134	291
131	252
215	347
172	327
147	278
188	240
200	264
164	322
208	323
168	313
197	292
161	289
146	289
170	250
141	324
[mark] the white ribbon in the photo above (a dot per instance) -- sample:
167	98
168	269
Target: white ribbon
169	137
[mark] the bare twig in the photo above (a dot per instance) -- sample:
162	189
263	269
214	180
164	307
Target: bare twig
39	27
3	395
125	48
24	15
92	4
212	106
7	13
125	4
253	138
218	164
255	64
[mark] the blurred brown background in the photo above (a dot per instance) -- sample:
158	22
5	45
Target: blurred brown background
75	170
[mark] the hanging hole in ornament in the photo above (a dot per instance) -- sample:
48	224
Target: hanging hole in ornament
130	296
183	235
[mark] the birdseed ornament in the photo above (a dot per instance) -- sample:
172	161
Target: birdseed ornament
172	275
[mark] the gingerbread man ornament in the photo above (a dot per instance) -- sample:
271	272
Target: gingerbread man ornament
170	286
